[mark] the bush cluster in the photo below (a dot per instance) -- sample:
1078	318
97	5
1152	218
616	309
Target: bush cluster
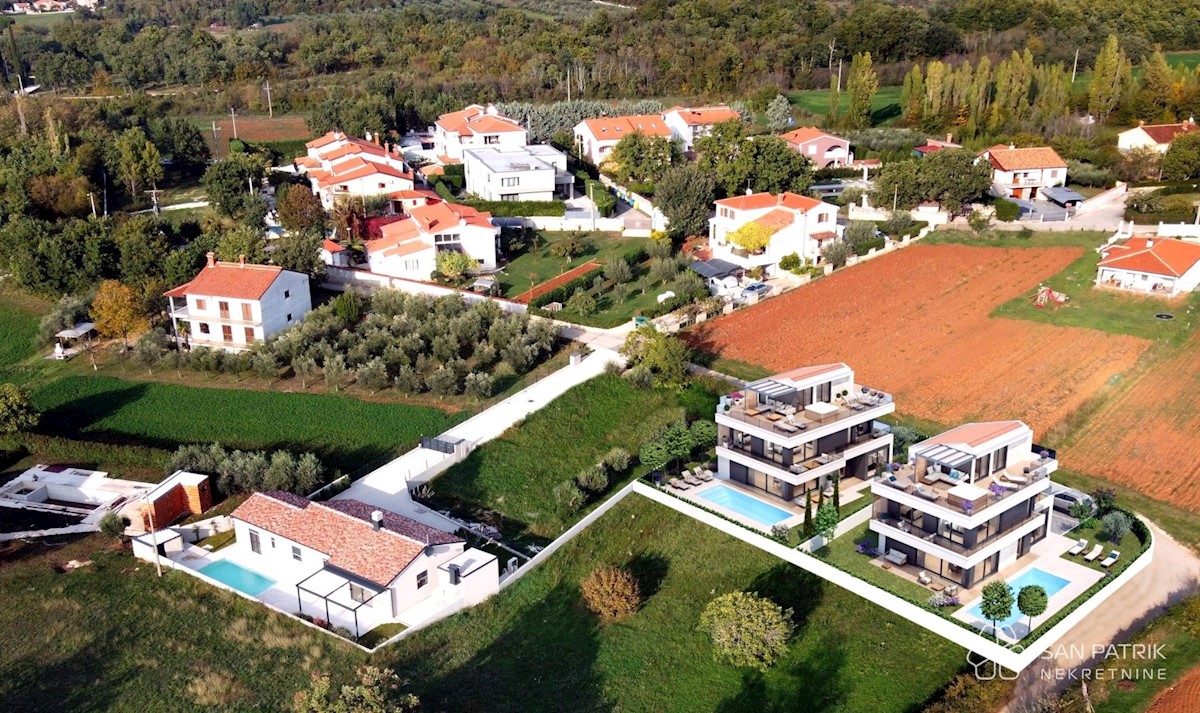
611	593
592	481
245	471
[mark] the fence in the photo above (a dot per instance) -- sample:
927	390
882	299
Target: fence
566	223
1179	230
343	278
657	221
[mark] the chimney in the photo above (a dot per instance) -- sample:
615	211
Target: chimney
749	191
1191	120
242	260
779	199
1149	243
949	138
1012	146
376	138
1141	122
212	259
376	519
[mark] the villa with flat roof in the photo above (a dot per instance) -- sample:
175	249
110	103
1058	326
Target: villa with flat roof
969	503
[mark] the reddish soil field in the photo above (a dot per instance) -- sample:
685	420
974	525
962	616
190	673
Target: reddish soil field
1148	435
255	128
1183	697
544	287
916	324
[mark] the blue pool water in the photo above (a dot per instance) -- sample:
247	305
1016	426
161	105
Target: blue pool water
238	577
1036	576
744	505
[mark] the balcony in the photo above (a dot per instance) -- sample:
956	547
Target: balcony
1028	181
940	491
906	527
792	422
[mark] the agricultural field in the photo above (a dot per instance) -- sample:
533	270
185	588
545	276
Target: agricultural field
18	328
917	324
251	128
1183	697
885	105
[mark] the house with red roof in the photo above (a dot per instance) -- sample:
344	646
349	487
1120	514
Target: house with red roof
334	253
1024	172
351	564
475	127
798	224
339	165
1154	136
408	248
595	138
824	149
1150	265
687	124
231	305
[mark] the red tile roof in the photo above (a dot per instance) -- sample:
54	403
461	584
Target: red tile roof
1156	256
415	232
332	247
355	168
230	279
976	434
704	115
766	200
807	133
343	530
1165	133
807	372
1034	157
615	127
475	119
777	219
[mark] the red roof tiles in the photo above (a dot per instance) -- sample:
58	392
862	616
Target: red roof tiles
704	115
1156	256
1026	159
615	127
807	133
230	279
767	200
475	119
1166	133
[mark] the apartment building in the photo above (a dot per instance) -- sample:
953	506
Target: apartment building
969	502
797	224
519	173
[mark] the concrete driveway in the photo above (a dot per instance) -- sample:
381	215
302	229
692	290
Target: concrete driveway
1040	210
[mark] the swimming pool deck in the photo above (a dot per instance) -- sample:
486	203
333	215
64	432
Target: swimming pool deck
693	496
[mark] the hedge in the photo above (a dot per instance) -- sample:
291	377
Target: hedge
1176	216
1007	210
514	209
606	203
865	247
565	290
283	150
442	190
91	452
455	170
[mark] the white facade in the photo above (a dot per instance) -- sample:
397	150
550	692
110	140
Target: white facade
595	138
339	165
801	225
475	127
523	173
1153	136
1164	267
409	248
688	124
1022	173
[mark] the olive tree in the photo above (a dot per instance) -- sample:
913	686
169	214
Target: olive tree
747	630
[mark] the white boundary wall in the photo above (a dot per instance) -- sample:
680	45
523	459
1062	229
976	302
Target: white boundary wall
343	278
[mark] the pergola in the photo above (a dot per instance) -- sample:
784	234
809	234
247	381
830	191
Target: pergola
950	457
333	587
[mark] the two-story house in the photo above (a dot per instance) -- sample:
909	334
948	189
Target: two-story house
475	127
340	165
1154	136
687	124
408	248
231	305
595	138
798	224
1022	173
824	149
796	432
968	503
519	173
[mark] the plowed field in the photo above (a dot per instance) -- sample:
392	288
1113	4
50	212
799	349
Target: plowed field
1148	436
916	324
1184	697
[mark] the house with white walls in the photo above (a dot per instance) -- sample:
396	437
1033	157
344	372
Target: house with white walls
335	254
824	149
595	138
353	565
408	248
1024	172
231	305
519	173
687	124
1154	136
340	166
1150	265
797	224
475	127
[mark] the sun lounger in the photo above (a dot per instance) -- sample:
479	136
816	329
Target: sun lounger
678	484
705	475
898	481
687	473
1020	479
691	479
927	493
1111	559
1094	554
1079	547
1008	486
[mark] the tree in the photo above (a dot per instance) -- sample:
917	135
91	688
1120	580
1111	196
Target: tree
809	530
611	593
704	434
665	355
372	376
1115	525
300	252
861	85
479	385
113	525
684	194
618	271
859	232
912	96
377	691
779	113
232	183
149	348
898	185
836	253
138	161
1182	160
654	455
773	166
335	371
180	141
1111	77
641	158
677	441
568	246
243	242
304	367
16	410
1105	499
979	222
1032	601
300	211
753	237
747	630
953	178
1158	84
581	303
117	311
997	603
453	264
826	520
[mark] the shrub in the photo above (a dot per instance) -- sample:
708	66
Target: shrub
593	479
836	253
897	223
640	377
113	525
568	496
581	303
704	433
1115	526
1105	499
979	221
611	593
790	262
779	533
606	203
747	630
942	600
519	209
1007	210
1086	174
617	460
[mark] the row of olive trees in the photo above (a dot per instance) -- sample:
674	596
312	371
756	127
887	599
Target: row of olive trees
245	471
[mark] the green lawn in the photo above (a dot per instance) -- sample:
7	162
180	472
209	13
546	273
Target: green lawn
41	20
1128	547
885	106
345	432
536	648
514	475
1182	524
18	328
515	279
842	554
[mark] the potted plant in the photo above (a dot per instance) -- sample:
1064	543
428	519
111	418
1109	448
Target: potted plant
968	507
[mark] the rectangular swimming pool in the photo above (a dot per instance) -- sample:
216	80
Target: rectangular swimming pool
744	505
238	577
1045	580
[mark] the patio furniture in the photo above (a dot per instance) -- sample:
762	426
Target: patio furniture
1111	559
691	479
1094	554
828	491
678	484
1020	479
924	578
898	481
687	473
1008	486
706	475
896	557
786	427
775	417
937	586
753	411
952	590
1080	546
797	468
927	493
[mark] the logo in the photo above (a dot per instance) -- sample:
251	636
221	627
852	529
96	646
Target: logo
987	669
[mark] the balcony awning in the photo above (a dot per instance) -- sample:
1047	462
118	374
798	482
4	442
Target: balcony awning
713	268
947	455
771	389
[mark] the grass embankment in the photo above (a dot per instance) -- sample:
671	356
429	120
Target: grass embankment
19	315
514	476
1128	546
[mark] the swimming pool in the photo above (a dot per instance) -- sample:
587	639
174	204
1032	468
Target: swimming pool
1045	580
744	505
238	577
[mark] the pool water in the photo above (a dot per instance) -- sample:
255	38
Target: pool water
238	577
1045	580
744	505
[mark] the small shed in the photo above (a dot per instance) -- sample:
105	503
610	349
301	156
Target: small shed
1061	196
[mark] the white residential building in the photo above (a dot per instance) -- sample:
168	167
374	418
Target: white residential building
356	566
339	165
796	432
408	248
970	502
825	150
595	138
520	173
1153	136
799	225
1021	173
231	305
475	127
687	124
334	254
1150	265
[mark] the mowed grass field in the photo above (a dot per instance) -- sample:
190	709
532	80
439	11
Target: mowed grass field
885	106
18	327
514	476
347	433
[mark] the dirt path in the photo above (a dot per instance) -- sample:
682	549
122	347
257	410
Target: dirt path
1183	697
542	288
1170	577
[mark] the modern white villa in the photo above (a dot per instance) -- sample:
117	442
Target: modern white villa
475	127
518	173
231	305
408	248
1150	265
797	224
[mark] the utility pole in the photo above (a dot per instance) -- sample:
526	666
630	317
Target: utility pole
105	174
594	209
154	199
839	76
1075	66
215	129
568	82
270	110
233	114
92	198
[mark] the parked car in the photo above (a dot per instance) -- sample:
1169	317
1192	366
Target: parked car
759	289
1067	497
